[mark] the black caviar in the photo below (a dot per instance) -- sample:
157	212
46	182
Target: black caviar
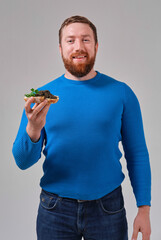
46	94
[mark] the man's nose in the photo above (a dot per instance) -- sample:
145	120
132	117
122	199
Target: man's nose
79	45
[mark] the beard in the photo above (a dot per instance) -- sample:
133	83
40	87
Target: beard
79	69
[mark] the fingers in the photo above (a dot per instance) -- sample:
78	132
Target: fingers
35	105
36	108
44	110
28	104
145	235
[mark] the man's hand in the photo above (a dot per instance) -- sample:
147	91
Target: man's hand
36	118
142	223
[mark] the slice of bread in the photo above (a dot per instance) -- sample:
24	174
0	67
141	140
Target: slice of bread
41	99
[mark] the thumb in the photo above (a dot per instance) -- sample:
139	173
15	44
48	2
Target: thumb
135	234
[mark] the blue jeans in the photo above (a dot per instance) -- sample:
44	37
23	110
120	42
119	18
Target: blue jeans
71	219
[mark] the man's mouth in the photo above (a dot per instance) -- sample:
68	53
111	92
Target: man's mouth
79	57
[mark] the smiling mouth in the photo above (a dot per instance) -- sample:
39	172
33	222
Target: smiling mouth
79	57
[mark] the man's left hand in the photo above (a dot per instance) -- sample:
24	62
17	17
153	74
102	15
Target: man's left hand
142	223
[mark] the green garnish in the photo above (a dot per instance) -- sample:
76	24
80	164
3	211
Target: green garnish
33	93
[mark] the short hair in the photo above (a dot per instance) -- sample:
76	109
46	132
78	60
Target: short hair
78	19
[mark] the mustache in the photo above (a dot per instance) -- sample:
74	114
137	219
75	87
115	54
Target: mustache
78	54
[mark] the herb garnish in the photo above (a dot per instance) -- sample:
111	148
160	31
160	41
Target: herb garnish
33	93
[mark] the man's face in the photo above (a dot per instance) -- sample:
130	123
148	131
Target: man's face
78	49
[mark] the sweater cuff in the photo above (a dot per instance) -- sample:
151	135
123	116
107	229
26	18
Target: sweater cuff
142	203
34	142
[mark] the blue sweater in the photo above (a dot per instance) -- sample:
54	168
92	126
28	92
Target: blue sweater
81	138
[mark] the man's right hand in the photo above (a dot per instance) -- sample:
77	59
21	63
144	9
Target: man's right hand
36	118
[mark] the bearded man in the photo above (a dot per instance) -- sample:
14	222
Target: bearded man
81	192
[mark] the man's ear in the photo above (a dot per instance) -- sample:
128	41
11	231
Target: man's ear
60	48
96	47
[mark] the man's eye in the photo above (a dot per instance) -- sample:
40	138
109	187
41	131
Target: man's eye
85	40
70	41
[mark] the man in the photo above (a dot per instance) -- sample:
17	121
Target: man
81	187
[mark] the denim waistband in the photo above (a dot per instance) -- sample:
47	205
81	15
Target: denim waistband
78	200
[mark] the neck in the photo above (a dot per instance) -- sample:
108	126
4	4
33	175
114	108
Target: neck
90	75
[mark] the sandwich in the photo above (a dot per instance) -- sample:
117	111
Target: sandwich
40	96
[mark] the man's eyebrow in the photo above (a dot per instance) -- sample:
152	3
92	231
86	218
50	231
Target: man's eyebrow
72	36
86	35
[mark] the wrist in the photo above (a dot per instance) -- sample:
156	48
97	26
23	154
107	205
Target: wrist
144	208
33	134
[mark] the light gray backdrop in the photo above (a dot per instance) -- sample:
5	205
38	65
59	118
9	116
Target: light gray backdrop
129	50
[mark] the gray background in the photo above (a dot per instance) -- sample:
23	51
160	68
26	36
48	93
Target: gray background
129	50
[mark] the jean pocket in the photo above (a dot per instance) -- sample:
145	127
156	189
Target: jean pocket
48	201
113	202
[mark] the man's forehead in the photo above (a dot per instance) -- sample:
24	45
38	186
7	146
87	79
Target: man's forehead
81	29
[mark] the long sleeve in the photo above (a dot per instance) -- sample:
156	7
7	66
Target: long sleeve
26	152
135	149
